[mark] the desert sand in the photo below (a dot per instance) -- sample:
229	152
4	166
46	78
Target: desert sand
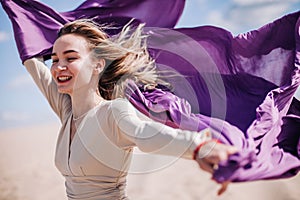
27	172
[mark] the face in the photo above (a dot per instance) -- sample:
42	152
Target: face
72	67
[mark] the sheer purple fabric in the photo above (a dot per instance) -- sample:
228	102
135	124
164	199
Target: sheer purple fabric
34	21
241	87
248	80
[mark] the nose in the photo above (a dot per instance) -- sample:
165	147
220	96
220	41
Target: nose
60	66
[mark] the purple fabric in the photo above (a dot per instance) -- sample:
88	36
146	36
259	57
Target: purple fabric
248	80
34	21
242	87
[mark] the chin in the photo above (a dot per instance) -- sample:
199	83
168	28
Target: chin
61	91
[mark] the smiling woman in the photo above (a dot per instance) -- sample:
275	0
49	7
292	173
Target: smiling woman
98	132
109	94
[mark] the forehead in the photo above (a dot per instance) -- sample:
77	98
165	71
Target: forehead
70	42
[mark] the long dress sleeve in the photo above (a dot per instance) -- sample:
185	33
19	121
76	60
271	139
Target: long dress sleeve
43	79
151	136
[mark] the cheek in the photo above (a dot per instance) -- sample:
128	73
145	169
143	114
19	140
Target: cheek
84	72
84	75
52	71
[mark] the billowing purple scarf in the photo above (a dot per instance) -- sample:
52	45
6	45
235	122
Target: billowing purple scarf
34	21
241	87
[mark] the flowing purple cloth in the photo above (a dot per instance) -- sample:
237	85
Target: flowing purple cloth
34	21
241	87
248	80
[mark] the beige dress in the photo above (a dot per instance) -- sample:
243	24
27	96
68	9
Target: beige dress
96	162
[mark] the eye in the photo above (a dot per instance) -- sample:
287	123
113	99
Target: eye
54	61
71	59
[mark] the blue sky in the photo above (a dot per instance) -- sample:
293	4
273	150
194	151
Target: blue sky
21	104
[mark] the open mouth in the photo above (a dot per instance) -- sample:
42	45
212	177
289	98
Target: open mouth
62	79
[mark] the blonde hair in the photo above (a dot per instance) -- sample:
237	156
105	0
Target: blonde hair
126	56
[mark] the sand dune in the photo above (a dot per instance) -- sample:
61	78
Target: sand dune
27	172
27	164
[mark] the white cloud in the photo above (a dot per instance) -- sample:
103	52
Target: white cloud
245	15
256	2
20	81
4	36
13	116
251	2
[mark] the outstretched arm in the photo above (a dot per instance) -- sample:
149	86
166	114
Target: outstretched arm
60	103
154	137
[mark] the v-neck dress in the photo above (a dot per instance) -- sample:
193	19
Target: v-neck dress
95	163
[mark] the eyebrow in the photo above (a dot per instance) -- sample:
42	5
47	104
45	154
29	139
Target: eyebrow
65	52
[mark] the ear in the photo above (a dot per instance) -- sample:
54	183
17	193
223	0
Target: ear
99	66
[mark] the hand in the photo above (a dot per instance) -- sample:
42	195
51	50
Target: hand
209	156
211	153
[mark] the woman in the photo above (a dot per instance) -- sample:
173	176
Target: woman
89	74
247	82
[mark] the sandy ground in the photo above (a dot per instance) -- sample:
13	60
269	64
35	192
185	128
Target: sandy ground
27	172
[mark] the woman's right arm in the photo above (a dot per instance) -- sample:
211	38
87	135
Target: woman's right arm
43	79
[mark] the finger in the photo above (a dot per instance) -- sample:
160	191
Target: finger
232	150
216	152
215	167
223	188
223	155
205	166
216	156
220	156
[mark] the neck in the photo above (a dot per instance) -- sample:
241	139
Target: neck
83	101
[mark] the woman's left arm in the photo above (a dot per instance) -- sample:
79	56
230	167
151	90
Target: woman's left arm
154	137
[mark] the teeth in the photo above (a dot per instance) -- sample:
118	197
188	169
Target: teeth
64	78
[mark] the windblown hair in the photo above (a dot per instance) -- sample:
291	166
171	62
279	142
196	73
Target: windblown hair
125	54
